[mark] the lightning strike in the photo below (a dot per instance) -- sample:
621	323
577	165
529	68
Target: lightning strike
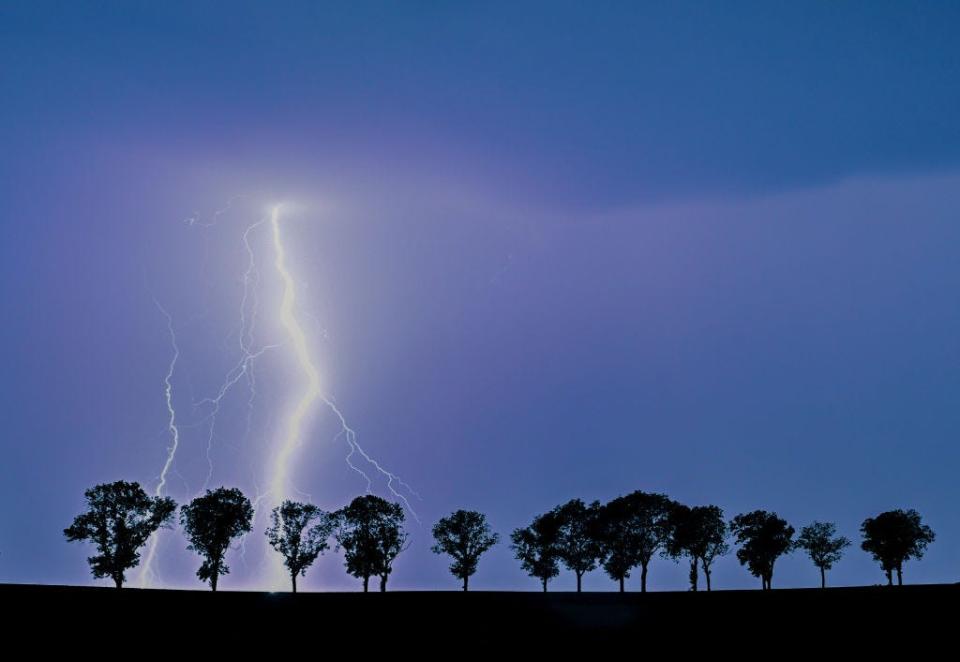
279	484
313	393
244	366
148	574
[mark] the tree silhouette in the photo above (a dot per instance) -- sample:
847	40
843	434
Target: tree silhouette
617	540
463	535
210	522
763	537
536	547
824	547
578	543
698	533
291	534
370	532
894	537
120	517
647	525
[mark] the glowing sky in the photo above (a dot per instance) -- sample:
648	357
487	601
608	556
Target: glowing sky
541	252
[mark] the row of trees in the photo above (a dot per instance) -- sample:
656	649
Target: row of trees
619	536
629	531
120	517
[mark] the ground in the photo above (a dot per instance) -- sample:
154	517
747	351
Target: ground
726	621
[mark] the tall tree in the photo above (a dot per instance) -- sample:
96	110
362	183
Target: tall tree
894	537
648	516
763	537
370	532
120	517
299	531
210	522
464	535
823	545
536	547
699	533
578	543
618	546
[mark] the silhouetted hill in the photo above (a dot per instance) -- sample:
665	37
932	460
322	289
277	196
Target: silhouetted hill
863	617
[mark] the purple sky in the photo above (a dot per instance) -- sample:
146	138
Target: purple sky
541	252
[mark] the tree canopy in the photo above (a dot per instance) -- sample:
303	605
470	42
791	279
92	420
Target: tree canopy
210	522
823	545
536	547
763	537
578	542
463	535
370	532
120	517
699	533
299	532
894	537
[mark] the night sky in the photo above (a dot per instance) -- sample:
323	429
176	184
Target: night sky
542	251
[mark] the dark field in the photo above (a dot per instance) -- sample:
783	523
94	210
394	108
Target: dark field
809	619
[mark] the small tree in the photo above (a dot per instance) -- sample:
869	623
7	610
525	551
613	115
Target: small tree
464	535
578	545
291	534
210	522
698	533
120	518
763	537
536	547
370	532
823	546
711	541
894	537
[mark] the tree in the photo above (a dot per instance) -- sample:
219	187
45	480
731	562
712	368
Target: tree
894	537
291	534
763	537
617	540
119	520
210	522
370	532
463	535
578	545
647	527
823	546
536	547
698	533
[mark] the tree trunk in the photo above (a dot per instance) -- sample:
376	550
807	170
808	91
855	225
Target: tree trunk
889	577
579	581
213	580
694	575
293	580
366	584
823	578
118	580
383	583
706	573
643	578
621	584
899	576
544	585
466	583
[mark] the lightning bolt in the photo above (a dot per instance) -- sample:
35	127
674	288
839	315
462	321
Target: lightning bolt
313	393
148	574
244	366
293	430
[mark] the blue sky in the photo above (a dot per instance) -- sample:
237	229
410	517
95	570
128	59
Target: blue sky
544	251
